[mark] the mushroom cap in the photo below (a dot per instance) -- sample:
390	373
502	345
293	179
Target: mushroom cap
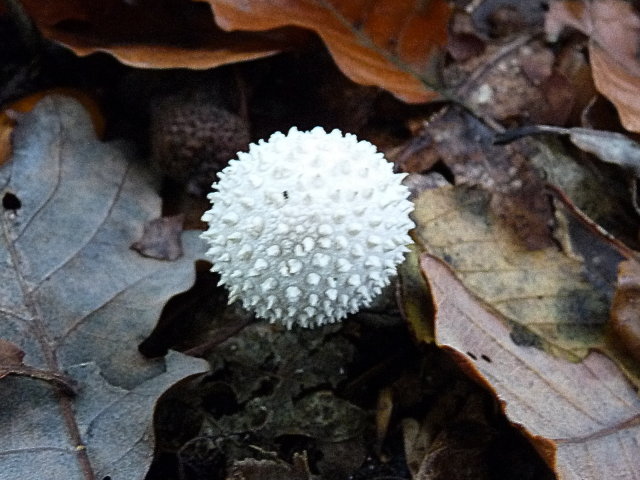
307	227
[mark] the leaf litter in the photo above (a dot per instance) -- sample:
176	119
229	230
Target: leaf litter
516	228
612	27
576	414
542	290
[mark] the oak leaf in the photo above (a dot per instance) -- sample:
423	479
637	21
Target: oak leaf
76	301
530	288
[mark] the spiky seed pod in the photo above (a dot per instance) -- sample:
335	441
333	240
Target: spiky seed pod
307	227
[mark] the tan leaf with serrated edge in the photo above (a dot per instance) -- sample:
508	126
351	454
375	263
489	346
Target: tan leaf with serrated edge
542	293
583	418
388	44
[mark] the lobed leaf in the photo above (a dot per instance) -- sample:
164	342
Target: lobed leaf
77	301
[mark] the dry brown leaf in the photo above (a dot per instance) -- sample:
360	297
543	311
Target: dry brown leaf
388	44
11	364
161	238
251	469
465	145
613	27
625	317
514	83
149	34
6	127
10	357
583	418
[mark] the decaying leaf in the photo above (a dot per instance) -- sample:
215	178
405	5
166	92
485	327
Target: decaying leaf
610	147
12	112
543	293
389	44
625	311
10	357
250	469
77	301
149	34
459	433
583	418
598	196
452	441
496	16
516	82
465	145
161	238
276	388
414	298
613	27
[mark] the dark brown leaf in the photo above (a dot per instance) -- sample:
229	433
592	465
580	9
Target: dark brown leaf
466	146
150	34
251	469
625	310
516	82
613	27
10	357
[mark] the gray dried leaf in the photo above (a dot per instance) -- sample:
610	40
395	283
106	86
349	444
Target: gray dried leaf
610	147
77	301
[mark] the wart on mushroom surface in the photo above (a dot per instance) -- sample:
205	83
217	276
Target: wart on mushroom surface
307	227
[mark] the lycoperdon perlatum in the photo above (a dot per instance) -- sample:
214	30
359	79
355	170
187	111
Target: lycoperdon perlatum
307	227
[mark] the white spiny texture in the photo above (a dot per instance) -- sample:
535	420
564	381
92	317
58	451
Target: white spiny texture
307	227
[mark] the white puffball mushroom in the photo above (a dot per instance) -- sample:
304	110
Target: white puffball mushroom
307	227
